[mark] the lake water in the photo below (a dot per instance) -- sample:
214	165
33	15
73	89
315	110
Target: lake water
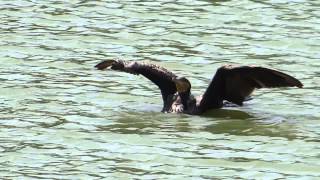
62	119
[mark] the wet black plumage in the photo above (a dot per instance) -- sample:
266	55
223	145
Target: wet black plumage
230	83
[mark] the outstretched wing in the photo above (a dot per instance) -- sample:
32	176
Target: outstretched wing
235	83
158	75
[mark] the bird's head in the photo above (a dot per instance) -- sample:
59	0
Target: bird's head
182	84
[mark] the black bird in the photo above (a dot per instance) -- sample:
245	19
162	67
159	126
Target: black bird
230	83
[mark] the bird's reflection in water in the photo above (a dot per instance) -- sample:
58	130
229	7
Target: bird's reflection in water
220	121
228	114
235	122
131	122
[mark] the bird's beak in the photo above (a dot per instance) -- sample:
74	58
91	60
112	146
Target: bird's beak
179	85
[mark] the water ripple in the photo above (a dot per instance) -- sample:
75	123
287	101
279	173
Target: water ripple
61	119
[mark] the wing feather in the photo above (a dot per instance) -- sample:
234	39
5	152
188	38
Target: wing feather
158	75
235	83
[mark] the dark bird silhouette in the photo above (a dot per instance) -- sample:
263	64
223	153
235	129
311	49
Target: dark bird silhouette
230	83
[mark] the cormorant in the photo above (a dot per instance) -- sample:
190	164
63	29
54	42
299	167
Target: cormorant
230	83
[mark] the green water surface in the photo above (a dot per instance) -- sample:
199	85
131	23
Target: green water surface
62	119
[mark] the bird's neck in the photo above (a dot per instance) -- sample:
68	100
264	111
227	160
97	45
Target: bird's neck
185	98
